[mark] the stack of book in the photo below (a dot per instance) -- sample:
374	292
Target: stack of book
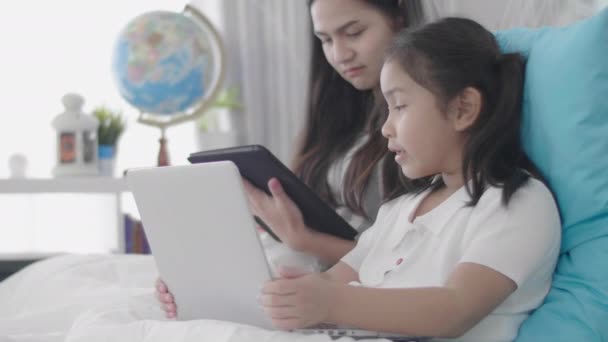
135	238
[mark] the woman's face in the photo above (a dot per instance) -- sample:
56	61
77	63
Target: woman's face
354	36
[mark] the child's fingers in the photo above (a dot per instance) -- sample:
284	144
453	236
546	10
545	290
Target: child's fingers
165	297
169	308
160	296
280	312
287	323
160	285
270	301
170	314
278	287
169	298
290	272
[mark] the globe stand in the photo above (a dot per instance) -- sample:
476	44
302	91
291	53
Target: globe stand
163	151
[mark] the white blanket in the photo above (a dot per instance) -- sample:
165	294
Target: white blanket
106	298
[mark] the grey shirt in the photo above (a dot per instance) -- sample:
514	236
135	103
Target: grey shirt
372	196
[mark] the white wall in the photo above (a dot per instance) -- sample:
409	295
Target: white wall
50	48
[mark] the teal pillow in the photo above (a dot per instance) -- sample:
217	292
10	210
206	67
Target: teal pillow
565	132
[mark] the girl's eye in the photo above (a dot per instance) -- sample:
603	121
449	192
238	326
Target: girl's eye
399	107
354	34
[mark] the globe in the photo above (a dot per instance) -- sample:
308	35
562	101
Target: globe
168	65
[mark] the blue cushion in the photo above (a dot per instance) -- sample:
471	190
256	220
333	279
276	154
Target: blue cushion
565	132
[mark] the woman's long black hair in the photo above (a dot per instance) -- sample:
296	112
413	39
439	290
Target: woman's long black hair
450	55
339	115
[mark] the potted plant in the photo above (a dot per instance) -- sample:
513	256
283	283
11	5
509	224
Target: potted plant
111	126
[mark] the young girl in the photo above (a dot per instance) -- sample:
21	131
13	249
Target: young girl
471	253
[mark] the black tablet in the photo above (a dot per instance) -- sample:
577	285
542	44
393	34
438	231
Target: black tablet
258	165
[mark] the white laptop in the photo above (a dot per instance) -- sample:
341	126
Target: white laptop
203	239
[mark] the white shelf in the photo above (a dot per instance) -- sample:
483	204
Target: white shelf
76	185
64	185
26	256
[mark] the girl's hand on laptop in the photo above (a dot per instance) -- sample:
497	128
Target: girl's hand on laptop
298	299
280	213
165	298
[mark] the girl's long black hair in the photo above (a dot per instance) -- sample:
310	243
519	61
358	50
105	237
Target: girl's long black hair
339	115
450	55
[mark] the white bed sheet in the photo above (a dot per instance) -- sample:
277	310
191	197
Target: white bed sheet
106	298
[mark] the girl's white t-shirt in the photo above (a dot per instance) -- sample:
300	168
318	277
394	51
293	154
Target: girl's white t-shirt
521	241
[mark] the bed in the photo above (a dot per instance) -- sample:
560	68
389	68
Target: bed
105	298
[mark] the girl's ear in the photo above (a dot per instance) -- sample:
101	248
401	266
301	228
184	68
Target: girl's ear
467	107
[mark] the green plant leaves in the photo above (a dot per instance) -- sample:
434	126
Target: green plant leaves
111	125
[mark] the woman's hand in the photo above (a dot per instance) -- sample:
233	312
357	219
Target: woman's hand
165	298
298	299
280	213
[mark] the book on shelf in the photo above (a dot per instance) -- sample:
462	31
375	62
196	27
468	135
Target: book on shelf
135	237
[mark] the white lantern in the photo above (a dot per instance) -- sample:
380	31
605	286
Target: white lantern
76	139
